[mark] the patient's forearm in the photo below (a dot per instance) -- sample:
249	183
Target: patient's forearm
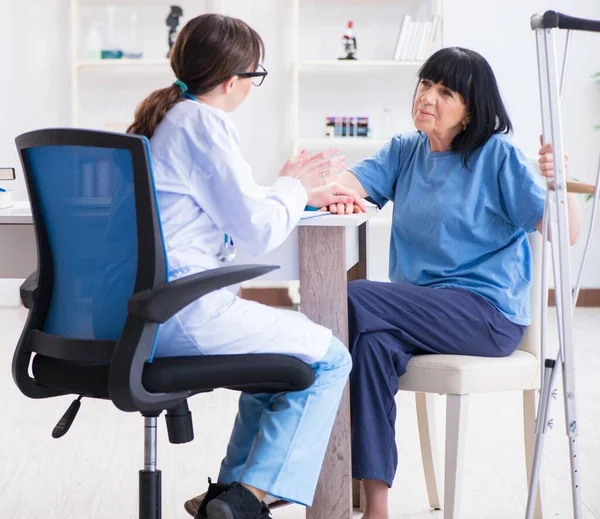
574	219
349	180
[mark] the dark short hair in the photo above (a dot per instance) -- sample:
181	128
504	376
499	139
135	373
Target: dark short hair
468	73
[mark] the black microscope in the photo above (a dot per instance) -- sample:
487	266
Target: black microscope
172	22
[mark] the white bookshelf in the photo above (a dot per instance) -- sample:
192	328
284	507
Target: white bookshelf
134	63
142	3
318	68
354	66
361	144
143	66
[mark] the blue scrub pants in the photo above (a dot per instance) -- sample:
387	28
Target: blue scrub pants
389	323
279	440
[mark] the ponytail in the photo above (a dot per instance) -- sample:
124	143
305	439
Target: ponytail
209	49
152	110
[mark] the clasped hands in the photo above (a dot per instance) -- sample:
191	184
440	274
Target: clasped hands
318	174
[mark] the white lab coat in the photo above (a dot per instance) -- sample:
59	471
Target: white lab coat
205	189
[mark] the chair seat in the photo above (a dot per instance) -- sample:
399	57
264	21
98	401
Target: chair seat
260	373
462	374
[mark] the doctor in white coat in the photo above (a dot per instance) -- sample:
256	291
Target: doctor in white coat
208	202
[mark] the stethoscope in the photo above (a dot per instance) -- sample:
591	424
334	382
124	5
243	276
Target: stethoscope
226	250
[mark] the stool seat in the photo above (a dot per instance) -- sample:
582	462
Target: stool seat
463	375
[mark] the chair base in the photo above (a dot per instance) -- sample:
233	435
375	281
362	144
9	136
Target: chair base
180	428
150	478
150	494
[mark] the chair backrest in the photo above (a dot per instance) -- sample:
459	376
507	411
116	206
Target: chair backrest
86	202
531	341
99	241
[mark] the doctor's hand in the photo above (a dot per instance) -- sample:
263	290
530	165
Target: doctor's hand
334	194
313	170
546	160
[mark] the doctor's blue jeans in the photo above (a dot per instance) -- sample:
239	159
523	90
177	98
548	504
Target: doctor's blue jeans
279	440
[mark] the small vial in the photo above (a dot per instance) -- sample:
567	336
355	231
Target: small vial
329	126
338	127
351	127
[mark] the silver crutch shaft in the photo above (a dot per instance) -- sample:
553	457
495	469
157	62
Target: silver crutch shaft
550	96
543	423
573	451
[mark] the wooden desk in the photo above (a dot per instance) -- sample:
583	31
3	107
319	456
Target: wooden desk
324	274
323	253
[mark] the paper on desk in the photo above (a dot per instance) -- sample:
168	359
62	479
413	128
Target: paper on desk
313	214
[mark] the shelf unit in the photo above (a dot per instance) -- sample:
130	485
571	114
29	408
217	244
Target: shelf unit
134	63
335	66
136	66
361	69
364	144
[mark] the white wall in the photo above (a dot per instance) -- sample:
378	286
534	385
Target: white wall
35	90
500	32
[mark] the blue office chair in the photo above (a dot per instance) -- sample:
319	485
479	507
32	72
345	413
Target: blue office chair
101	291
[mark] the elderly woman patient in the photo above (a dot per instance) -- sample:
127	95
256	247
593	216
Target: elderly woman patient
460	263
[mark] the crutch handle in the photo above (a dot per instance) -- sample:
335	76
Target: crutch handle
576	187
555	20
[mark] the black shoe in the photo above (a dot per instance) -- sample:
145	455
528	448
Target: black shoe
214	490
265	513
236	503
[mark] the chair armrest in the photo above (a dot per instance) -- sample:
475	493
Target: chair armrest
164	301
28	290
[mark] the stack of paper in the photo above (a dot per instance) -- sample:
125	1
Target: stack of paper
313	214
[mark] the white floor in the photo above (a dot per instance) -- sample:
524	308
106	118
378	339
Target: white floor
92	472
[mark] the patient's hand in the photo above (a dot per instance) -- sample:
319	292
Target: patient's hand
334	195
343	208
546	160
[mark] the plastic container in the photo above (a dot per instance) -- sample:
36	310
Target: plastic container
111	49
387	127
93	43
132	49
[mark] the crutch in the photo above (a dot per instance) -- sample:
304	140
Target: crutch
545	26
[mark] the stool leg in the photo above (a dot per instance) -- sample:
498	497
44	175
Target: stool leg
150	480
357	501
429	452
456	427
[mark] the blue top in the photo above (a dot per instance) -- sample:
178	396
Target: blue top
458	228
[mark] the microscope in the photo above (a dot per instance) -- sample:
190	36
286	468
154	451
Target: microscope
172	22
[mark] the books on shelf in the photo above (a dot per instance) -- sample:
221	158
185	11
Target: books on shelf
416	38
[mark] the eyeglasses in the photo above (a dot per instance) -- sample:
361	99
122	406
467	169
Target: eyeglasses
260	75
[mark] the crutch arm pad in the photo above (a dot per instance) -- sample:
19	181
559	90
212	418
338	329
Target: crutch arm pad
555	20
